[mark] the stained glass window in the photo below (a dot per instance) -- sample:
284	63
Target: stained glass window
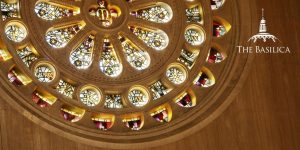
14	78
194	37
10	10
176	75
218	29
40	100
157	40
216	4
193	14
185	100
49	11
71	113
90	97
138	97
133	123
103	124
215	56
113	101
158	14
158	90
4	55
187	58
109	62
60	37
82	56
161	115
204	80
18	78
15	32
27	55
137	58
45	73
65	88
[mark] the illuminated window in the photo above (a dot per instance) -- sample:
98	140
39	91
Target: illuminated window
158	14
158	90
137	58
15	32
193	14
218	29
205	79
215	56
138	97
187	58
27	55
71	113
45	72
216	4
103	124
90	96
176	75
51	11
82	56
10	10
185	100
16	77
113	101
161	115
60	37
43	100
194	37
4	55
109	62
133	123
65	88
157	40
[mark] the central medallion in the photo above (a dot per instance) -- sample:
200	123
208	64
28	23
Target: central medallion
105	12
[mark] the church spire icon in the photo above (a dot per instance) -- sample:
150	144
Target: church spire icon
263	34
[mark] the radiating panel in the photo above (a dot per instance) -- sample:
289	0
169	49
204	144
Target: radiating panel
109	63
155	39
82	56
61	36
136	57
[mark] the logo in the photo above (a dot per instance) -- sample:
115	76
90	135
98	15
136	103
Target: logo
265	37
263	34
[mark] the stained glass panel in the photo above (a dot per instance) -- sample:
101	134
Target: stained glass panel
113	101
187	58
159	90
51	11
176	75
65	88
138	97
193	14
16	32
27	55
109	62
60	37
10	10
90	97
157	40
216	4
133	123
158	14
82	56
44	73
194	37
137	58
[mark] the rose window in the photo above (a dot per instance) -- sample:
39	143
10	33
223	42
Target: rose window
117	71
